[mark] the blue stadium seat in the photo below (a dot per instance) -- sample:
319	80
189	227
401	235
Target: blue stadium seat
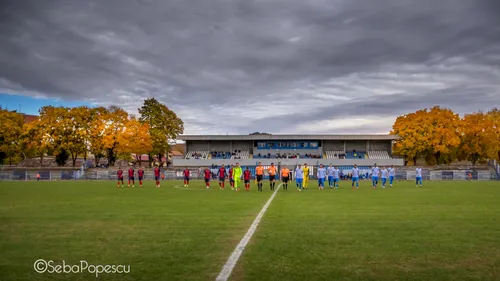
359	155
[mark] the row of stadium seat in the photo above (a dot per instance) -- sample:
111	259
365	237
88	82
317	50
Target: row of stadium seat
241	155
197	155
220	155
355	155
378	155
246	155
228	155
334	154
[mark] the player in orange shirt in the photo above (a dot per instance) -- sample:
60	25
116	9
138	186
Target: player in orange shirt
285	177
259	175
272	175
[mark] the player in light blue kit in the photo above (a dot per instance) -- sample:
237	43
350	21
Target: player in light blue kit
418	176
384	174
375	172
299	177
321	177
329	172
392	175
355	176
336	177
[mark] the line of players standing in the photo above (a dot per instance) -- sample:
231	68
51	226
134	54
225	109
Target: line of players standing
140	174
235	173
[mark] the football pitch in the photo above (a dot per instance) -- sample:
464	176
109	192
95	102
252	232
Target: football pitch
443	231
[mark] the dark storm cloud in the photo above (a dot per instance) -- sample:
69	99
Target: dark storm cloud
260	65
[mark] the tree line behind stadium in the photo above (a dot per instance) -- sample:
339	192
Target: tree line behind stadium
438	135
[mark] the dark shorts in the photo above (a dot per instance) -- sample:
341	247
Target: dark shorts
140	178
231	180
259	177
120	178
271	177
207	180
221	179
285	179
157	178
131	178
186	178
247	181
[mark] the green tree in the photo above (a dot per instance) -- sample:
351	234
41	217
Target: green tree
164	125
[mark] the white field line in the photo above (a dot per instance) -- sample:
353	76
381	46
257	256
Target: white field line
235	256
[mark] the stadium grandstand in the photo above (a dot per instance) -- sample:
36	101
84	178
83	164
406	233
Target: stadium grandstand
288	150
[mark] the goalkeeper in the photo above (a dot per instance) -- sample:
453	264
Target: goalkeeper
237	172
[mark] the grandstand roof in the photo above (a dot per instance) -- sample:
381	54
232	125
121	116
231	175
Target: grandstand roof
284	137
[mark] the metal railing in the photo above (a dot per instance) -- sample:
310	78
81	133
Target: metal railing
55	175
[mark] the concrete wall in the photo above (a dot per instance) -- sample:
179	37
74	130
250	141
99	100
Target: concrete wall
379	146
355	145
333	145
197	146
291	162
219	146
242	145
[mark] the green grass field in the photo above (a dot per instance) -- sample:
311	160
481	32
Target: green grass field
444	231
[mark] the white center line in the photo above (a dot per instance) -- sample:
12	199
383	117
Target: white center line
235	256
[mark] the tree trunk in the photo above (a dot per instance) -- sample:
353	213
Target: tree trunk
437	155
41	160
414	161
10	160
73	158
97	158
150	159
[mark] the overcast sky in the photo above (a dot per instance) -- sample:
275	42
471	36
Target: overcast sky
279	66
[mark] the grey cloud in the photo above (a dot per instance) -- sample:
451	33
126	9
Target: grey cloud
201	55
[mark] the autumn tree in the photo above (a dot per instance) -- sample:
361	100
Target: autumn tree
164	125
478	137
94	136
411	129
114	120
494	117
443	132
81	120
136	139
37	140
433	134
10	134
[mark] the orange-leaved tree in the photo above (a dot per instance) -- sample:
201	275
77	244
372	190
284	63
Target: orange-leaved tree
95	133
114	125
136	139
37	139
494	116
442	135
11	123
411	129
56	122
478	137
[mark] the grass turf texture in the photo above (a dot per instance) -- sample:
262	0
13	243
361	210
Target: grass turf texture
445	231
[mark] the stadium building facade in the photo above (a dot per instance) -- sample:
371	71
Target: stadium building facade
289	150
